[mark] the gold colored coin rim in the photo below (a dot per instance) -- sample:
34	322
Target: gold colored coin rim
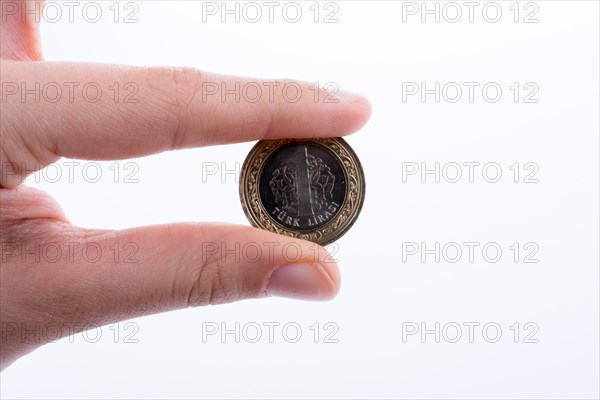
323	235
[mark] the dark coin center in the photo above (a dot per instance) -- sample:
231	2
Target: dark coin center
302	186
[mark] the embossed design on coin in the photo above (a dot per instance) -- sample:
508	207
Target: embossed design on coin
310	189
302	186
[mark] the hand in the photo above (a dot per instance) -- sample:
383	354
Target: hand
172	272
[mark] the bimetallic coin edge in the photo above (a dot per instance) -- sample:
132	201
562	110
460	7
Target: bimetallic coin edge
325	234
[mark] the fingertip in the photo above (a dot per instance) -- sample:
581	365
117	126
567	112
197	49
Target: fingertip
363	110
304	281
335	277
354	112
355	99
293	268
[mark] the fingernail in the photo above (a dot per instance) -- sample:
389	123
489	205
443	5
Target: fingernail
351	97
301	281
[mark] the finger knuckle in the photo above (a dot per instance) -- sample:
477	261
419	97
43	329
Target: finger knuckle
22	154
215	282
173	90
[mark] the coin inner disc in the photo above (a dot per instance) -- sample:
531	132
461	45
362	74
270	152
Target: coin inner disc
302	186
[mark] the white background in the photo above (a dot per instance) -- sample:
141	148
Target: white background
369	50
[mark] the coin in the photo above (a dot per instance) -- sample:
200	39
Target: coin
309	189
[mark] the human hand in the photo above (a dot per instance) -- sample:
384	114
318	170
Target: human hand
171	271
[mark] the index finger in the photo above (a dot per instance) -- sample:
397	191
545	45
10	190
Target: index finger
98	111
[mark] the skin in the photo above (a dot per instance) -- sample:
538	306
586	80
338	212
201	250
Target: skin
172	270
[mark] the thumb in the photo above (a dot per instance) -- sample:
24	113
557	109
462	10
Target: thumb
160	268
19	24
